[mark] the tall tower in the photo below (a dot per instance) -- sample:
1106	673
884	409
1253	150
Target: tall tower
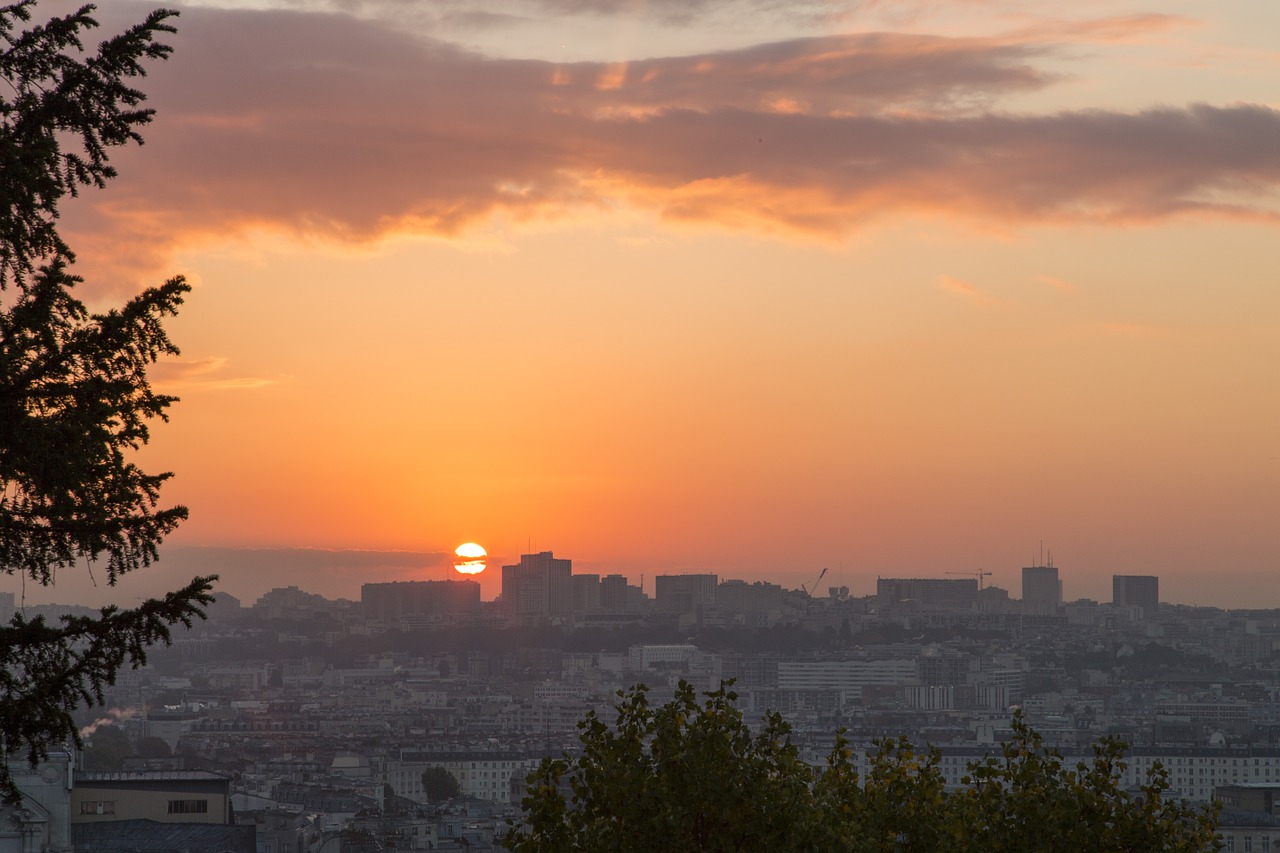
1041	590
1135	591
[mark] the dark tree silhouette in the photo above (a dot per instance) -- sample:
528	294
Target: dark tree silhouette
691	775
439	784
75	401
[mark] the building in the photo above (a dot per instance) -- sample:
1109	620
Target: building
485	775
42	819
446	600
586	593
949	594
684	593
613	594
1041	590
538	586
1135	591
177	796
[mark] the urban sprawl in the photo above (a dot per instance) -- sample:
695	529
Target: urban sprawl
302	724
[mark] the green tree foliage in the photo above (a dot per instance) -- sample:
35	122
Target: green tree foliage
152	747
107	749
439	784
75	401
690	776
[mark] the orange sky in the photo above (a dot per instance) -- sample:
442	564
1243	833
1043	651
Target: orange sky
901	287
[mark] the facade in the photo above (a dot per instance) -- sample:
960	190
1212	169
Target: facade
179	796
539	585
927	593
483	775
42	820
849	676
684	593
1041	590
1135	591
391	602
586	593
613	593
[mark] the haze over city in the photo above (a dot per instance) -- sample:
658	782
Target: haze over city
889	288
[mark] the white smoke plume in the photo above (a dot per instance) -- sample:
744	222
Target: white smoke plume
115	715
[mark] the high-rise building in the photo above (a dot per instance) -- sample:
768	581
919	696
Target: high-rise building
1041	590
1135	590
613	594
539	585
684	593
586	593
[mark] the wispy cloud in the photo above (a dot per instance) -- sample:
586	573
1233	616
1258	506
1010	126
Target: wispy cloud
176	375
1056	283
968	290
1133	330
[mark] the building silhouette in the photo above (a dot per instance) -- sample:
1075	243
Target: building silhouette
1041	590
1135	590
928	594
684	593
391	602
539	585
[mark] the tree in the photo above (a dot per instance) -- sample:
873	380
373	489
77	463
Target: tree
683	776
152	748
107	749
439	784
689	775
75	400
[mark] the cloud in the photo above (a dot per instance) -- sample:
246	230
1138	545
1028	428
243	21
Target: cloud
1057	283
969	291
327	128
174	375
963	288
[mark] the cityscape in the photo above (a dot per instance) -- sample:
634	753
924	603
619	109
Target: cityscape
316	721
755	338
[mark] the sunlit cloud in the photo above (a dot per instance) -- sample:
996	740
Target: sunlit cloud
968	290
179	375
335	130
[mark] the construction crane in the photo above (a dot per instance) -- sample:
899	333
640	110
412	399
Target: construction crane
808	590
978	574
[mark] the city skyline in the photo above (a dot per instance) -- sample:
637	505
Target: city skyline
257	576
736	288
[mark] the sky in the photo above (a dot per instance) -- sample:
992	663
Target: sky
751	287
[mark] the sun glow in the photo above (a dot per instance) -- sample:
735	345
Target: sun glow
470	559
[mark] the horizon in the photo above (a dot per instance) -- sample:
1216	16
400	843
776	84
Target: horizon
333	574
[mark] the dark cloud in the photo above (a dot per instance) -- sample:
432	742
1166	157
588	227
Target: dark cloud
323	126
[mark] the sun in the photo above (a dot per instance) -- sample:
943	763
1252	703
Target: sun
470	559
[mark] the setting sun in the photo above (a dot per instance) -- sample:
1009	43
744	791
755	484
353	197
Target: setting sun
470	559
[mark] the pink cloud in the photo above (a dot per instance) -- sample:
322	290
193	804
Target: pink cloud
328	128
955	285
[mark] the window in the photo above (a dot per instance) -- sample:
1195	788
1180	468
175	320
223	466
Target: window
98	807
1248	844
188	807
